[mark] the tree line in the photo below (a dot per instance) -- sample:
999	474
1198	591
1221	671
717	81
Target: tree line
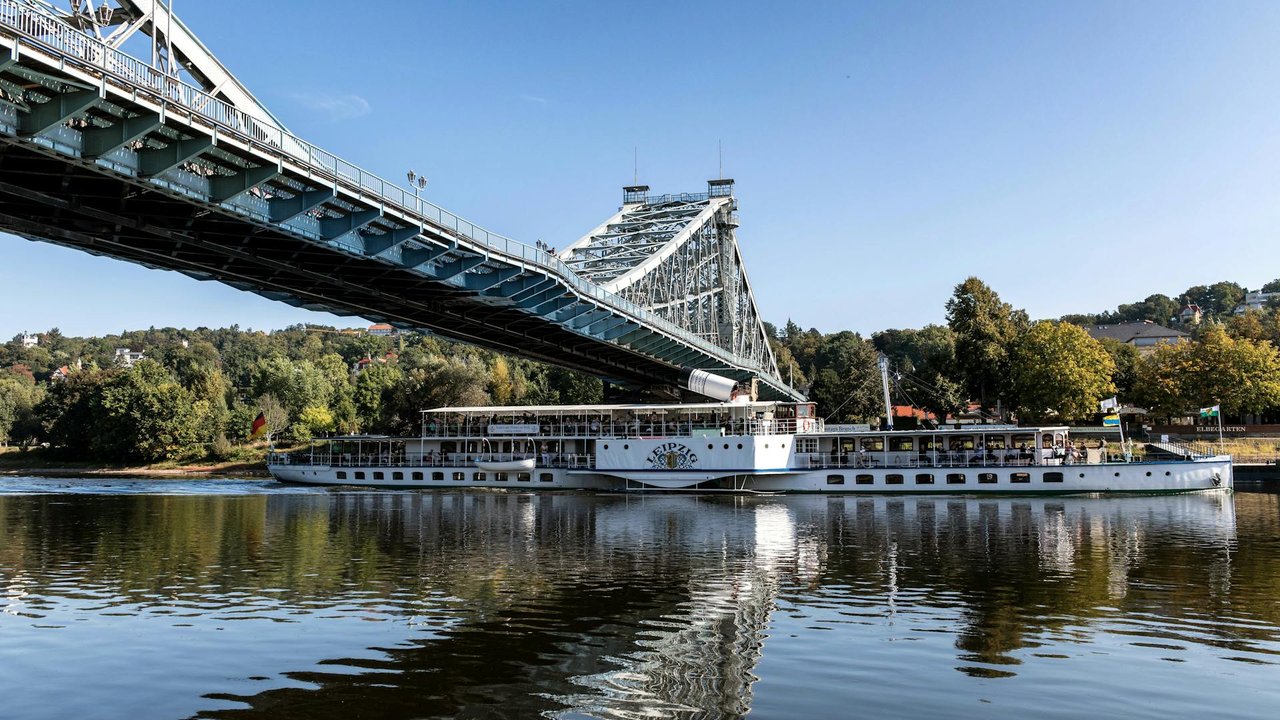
195	393
992	355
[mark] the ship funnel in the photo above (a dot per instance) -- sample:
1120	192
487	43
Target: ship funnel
705	383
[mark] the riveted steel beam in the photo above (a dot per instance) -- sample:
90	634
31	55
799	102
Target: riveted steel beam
378	244
331	228
57	111
285	209
417	257
101	141
157	161
484	281
451	270
223	188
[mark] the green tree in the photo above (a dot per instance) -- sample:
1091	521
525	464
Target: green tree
275	414
372	387
19	396
144	415
1273	286
1240	374
1128	361
1057	369
985	328
847	387
312	421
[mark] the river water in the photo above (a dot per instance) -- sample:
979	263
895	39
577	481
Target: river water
248	599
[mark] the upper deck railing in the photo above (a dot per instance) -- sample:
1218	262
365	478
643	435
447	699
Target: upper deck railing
631	428
136	76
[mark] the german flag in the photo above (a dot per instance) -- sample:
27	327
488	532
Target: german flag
259	426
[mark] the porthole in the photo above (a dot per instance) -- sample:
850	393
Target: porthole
739	446
1148	473
626	447
1166	473
710	446
606	446
1117	474
726	446
1081	474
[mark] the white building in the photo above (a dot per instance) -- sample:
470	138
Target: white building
126	357
1255	301
30	341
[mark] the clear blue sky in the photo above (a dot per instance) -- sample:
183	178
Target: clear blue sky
1073	155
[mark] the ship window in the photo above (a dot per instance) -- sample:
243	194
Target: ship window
726	446
360	474
1148	473
1053	477
865	479
902	444
986	478
417	476
955	478
397	475
835	479
437	475
960	443
478	477
342	474
459	476
739	446
873	444
523	477
1020	478
500	477
710	446
924	479
626	447
545	477
377	475
893	479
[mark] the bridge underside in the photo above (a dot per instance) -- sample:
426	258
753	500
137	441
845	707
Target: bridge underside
43	198
101	153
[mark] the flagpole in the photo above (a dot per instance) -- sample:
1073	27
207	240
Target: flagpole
1221	447
1123	448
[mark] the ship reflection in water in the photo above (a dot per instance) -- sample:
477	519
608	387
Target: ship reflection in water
317	604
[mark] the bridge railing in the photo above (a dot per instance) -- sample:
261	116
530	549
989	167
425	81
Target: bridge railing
134	74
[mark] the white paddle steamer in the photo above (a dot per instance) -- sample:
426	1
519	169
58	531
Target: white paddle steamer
732	446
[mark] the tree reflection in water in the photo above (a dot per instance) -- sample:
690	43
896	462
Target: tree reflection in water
510	605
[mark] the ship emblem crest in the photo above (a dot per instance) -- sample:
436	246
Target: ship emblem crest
672	456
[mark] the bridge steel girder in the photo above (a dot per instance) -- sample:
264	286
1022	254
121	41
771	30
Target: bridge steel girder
158	161
102	141
282	210
555	304
533	301
582	321
414	258
598	329
377	244
571	312
626	328
448	271
63	107
224	188
514	287
483	281
333	228
542	284
9	58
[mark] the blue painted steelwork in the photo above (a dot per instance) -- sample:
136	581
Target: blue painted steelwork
104	153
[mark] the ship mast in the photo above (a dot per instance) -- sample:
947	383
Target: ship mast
883	362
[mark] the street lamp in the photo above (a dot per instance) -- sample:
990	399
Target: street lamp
417	182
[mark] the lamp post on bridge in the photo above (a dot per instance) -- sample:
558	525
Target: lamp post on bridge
418	183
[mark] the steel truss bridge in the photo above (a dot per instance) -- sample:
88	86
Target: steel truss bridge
174	164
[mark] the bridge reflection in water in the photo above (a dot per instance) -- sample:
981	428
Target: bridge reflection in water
505	605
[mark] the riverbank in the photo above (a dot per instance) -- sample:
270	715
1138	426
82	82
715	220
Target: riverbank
35	463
